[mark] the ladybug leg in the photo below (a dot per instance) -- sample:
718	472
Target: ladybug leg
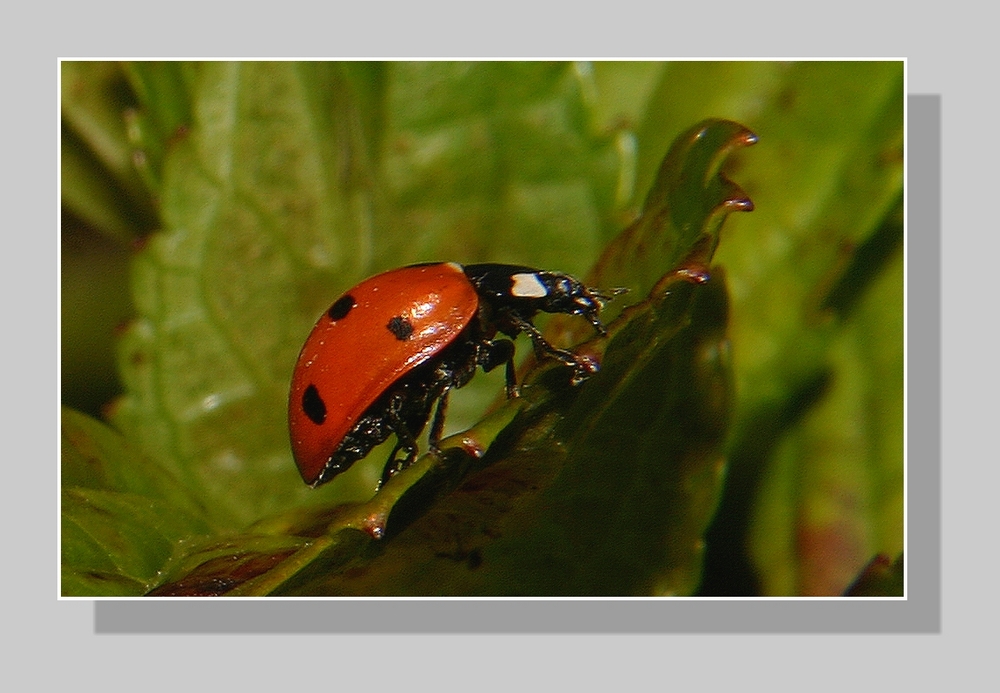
405	440
510	375
402	406
392	465
437	424
492	354
581	368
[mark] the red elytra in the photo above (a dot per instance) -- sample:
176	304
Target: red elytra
376	333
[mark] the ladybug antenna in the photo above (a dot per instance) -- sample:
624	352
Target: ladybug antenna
597	299
605	295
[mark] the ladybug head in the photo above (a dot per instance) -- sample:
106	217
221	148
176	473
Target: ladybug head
566	294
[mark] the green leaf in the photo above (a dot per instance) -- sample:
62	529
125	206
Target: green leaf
817	463
490	160
257	220
123	517
162	88
99	182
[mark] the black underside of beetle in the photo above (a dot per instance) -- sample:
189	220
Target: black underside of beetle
410	398
405	407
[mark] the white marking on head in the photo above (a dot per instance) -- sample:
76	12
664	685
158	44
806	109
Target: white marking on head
527	285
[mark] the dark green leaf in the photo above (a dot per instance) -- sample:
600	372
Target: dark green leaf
880	578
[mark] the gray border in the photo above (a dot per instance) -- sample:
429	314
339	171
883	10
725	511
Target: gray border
919	613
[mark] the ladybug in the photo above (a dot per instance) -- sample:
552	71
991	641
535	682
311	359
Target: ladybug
390	349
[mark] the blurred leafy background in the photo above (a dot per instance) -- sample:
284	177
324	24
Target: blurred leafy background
210	211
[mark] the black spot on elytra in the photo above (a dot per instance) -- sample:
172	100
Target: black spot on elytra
400	327
340	309
313	405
